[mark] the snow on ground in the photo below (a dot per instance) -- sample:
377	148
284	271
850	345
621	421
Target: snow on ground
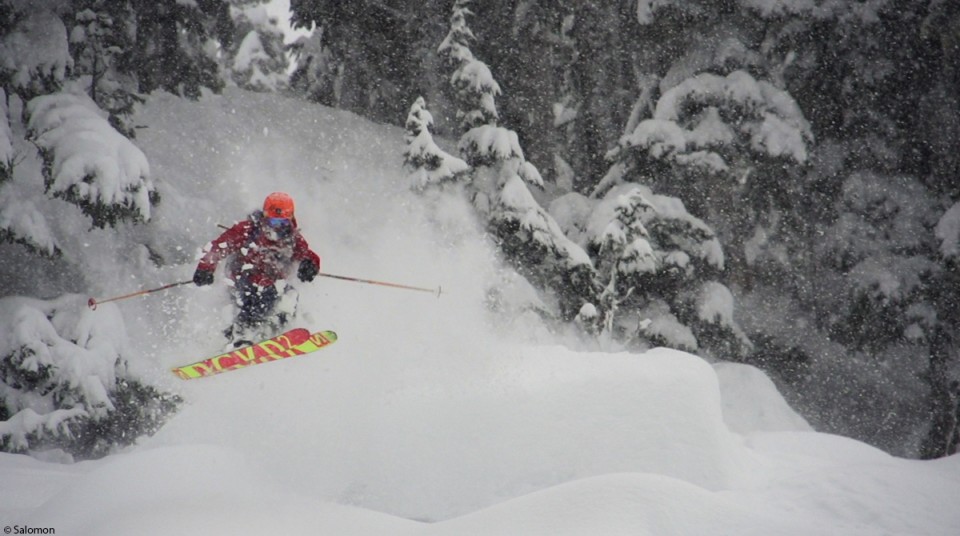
427	417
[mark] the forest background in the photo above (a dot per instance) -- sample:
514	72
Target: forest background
771	182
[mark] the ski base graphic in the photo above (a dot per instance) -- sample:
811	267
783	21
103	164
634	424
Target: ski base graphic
292	343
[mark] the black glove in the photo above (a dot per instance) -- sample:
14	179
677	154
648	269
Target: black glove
202	277
307	270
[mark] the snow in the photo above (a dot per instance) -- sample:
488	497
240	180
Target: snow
661	324
84	146
660	137
948	232
21	217
428	416
249	51
280	10
716	304
476	77
490	142
431	165
769	115
37	45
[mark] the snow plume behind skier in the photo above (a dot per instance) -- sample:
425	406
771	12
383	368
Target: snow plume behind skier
262	251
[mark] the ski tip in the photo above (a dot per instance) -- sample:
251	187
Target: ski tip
326	336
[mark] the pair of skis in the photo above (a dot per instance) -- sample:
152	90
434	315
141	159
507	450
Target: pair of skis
295	342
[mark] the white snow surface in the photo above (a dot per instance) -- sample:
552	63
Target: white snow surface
428	416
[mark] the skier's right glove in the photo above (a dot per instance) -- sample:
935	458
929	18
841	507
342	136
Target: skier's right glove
202	277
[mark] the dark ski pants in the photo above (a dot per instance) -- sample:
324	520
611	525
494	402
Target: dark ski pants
256	303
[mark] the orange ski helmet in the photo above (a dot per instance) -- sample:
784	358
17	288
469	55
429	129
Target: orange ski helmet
278	205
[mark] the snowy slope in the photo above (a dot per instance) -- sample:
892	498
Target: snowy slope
428	417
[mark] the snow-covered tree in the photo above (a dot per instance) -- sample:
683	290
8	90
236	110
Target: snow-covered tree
317	71
943	374
34	54
88	163
430	166
358	57
63	378
177	43
100	37
873	284
501	178
724	145
34	59
64	382
526	233
472	80
881	245
256	59
658	266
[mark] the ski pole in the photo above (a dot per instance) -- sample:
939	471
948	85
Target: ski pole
436	291
93	303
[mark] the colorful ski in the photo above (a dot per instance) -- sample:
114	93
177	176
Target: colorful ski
292	343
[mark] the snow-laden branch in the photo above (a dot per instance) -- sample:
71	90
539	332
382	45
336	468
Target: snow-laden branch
770	118
87	162
430	165
35	53
21	222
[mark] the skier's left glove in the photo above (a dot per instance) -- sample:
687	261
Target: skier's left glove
307	271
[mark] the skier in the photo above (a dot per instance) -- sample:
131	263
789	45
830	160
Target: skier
263	250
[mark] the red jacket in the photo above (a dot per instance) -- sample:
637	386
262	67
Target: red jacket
256	258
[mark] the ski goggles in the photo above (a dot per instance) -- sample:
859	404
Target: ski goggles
279	223
283	226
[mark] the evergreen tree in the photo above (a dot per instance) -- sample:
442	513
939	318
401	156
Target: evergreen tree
725	145
472	81
34	59
359	56
100	37
943	374
430	166
315	77
34	56
871	288
257	59
62	384
177	43
88	163
658	266
426	25
598	83
526	233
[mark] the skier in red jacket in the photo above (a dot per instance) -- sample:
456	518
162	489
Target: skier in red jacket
263	250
